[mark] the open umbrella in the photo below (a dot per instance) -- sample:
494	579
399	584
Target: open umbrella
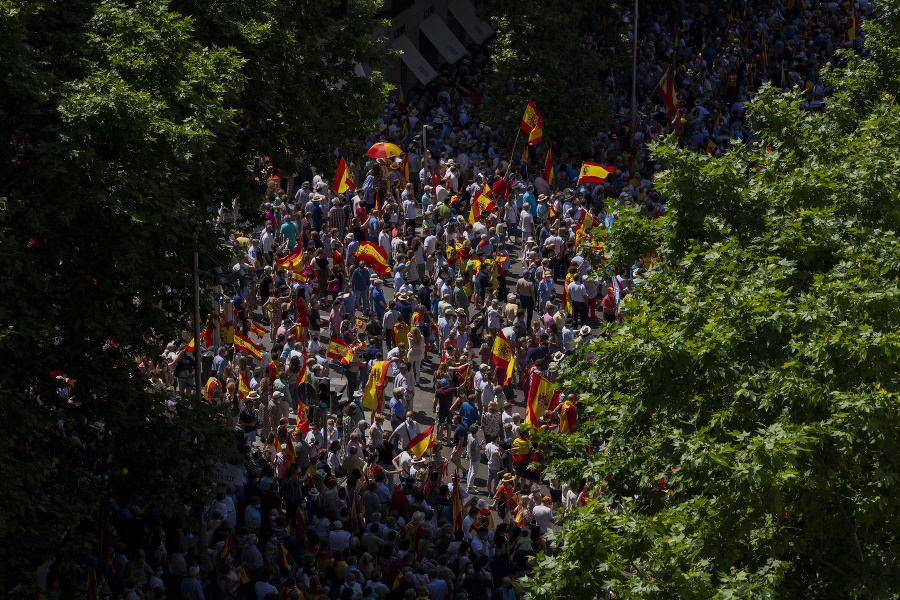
384	150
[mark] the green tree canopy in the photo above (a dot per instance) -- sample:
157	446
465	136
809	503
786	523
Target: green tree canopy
124	126
744	417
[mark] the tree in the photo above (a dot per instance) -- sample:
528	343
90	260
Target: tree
553	54
126	122
744	415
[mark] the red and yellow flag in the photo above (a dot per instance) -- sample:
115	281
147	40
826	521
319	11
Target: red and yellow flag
243	343
298	277
567	417
375	385
284	558
243	575
480	204
226	549
374	256
293	260
360	324
243	388
542	396
456	504
228	332
666	89
404	169
302	420
90	592
593	173
710	148
338	350
342	181
548	168
853	25
420	444
257	329
537	134
531	119
502	355
210	387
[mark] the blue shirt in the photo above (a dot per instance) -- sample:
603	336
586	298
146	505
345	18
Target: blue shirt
377	299
398	409
468	414
360	279
289	232
529	199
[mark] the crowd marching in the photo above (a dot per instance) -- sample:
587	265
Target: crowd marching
437	290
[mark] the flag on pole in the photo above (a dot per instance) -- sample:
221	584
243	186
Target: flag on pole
404	169
284	557
542	396
548	168
360	324
91	588
593	173
398	580
338	350
502	355
243	343
666	89
243	388
537	134
257	329
374	256
342	181
374	389
226	549
243	575
531	119
853	25
420	444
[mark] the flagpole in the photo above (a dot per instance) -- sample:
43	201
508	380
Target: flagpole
634	75
512	152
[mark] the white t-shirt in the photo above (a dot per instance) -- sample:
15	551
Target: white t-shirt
492	452
543	516
527	221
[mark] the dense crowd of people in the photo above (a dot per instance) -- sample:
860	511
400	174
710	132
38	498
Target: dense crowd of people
352	505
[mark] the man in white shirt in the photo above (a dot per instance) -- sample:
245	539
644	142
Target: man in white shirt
338	539
543	514
577	293
406	431
384	240
442	193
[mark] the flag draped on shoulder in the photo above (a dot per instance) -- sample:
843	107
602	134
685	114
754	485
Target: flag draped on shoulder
542	396
375	385
342	181
420	444
374	256
531	119
243	343
502	355
567	417
243	388
666	89
593	173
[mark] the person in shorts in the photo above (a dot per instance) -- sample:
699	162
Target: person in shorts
444	396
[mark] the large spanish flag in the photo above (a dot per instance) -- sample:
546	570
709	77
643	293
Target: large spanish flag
480	204
420	444
375	385
593	173
531	119
342	181
502	355
292	260
338	350
542	396
374	256
243	343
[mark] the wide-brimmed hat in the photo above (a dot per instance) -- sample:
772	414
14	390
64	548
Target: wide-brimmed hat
558	356
508	478
586	330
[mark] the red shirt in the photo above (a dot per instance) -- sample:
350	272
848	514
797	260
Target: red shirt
500	189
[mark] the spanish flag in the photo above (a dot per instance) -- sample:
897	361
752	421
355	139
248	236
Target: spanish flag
243	576
374	256
480	204
210	387
302	420
243	388
375	385
284	558
486	190
666	89
456	504
257	329
542	396
593	173
537	134
404	169
338	350
520	517
342	181
397	581
548	169
228	332
360	324
298	277
302	376
243	343
91	589
420	444
853	25
531	119
226	549
502	355
710	147
292	260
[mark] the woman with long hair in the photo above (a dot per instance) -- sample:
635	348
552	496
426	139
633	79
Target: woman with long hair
416	353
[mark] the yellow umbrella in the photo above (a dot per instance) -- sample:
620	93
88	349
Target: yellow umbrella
384	150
